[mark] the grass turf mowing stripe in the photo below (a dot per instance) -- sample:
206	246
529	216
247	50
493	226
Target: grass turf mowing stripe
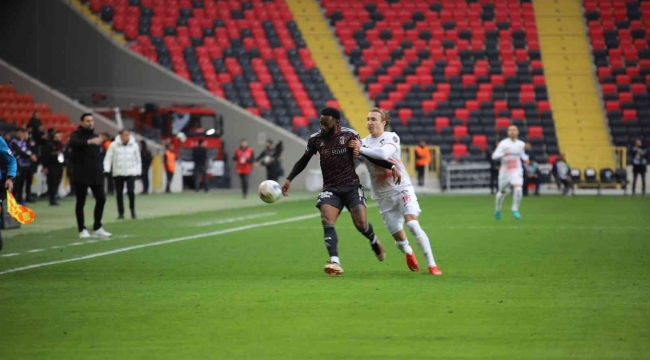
162	242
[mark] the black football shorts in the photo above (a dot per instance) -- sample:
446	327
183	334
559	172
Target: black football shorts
340	196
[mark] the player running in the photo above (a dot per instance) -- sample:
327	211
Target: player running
511	174
397	201
341	185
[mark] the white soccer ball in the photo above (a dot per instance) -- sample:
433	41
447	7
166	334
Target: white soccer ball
270	191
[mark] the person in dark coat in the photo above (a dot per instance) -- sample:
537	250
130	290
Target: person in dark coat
147	159
88	173
53	160
639	164
270	158
25	158
200	159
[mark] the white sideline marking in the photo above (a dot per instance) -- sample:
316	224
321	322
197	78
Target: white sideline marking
162	242
76	243
10	255
230	220
34	250
56	247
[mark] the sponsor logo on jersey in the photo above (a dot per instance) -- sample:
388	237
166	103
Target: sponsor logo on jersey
339	151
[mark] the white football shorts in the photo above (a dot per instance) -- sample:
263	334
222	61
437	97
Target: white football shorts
393	208
511	178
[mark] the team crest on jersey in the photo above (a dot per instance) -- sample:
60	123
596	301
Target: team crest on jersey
342	140
322	144
382	142
395	139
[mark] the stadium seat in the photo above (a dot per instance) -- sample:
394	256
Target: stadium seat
459	65
225	47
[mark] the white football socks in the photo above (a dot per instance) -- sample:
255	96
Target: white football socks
404	247
423	241
499	199
516	198
335	259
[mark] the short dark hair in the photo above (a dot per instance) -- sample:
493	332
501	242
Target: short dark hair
84	115
20	129
120	132
330	111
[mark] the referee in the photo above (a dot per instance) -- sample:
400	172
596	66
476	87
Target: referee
88	174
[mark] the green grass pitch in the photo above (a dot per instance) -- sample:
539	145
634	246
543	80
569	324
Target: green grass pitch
568	281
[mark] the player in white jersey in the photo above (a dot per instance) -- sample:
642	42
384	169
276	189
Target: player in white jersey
511	174
397	202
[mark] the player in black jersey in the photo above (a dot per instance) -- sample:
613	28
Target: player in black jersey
341	185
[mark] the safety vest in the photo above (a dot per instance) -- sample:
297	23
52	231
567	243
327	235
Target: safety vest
422	156
170	164
243	158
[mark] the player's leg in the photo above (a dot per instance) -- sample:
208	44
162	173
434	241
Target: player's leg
411	213
330	207
390	209
517	182
502	191
355	201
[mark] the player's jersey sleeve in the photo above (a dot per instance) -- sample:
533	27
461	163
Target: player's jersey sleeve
388	147
312	148
498	152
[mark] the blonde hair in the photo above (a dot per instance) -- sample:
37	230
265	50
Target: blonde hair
384	113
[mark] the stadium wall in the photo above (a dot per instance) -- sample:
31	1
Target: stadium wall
56	44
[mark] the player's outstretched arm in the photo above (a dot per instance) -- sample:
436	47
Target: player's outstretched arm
498	153
298	167
381	153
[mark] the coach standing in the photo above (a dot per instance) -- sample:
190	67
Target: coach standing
123	161
88	173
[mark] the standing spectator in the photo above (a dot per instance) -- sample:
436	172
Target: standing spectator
639	164
34	122
200	159
170	165
268	159
53	160
108	177
495	165
147	158
86	159
34	143
561	171
244	164
124	162
25	158
8	178
422	160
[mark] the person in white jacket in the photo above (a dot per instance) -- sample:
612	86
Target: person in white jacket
123	158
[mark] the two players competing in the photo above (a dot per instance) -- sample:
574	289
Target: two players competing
339	149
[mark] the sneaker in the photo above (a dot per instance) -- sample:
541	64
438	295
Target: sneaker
101	233
516	214
120	217
412	262
332	268
379	251
133	215
433	270
497	214
84	234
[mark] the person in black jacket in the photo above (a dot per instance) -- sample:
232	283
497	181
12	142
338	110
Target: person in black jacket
200	158
53	159
147	158
88	173
639	165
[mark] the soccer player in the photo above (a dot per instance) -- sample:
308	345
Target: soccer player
341	185
511	174
397	201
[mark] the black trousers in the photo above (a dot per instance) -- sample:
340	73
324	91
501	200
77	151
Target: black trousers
109	183
19	184
54	176
100	199
494	181
28	182
244	184
170	175
638	170
530	180
420	171
120	181
145	181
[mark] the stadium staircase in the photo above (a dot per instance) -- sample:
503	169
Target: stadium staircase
453	73
619	32
331	61
572	88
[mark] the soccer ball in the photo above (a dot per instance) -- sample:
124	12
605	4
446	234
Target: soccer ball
270	191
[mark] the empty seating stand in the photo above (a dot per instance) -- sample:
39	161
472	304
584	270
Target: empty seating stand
18	108
619	31
455	73
248	52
